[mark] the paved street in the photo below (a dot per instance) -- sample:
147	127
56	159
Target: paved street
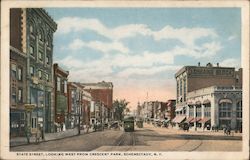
148	138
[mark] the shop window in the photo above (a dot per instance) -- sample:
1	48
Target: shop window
20	73
13	71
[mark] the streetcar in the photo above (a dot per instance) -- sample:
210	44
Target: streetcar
128	123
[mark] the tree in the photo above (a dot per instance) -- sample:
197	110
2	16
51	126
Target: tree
119	106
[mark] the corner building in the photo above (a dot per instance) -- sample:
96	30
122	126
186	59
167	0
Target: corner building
193	78
32	32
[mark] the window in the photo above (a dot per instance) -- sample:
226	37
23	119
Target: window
13	71
47	60
198	111
58	84
239	109
33	122
19	71
40	36
32	50
40	74
47	77
13	95
180	87
191	111
184	90
40	56
207	110
20	95
31	29
65	86
32	70
225	109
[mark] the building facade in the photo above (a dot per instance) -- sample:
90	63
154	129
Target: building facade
170	110
215	106
190	78
32	32
103	92
18	69
61	98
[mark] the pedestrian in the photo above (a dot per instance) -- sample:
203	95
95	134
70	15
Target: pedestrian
38	134
87	126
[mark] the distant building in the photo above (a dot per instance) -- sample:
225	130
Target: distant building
170	110
61	97
31	37
103	92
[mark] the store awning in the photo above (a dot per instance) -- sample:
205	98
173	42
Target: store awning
179	119
204	120
189	119
178	109
195	120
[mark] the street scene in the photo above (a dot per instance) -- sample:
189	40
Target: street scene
88	79
148	138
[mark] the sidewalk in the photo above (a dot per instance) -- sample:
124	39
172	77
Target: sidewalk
17	141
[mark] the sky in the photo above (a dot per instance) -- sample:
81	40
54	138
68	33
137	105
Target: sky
141	49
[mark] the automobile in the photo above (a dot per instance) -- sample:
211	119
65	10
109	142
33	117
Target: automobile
114	124
185	126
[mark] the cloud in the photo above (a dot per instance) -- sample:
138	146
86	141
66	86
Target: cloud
104	47
230	38
231	62
146	71
187	36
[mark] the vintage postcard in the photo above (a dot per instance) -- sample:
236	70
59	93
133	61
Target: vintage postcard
125	79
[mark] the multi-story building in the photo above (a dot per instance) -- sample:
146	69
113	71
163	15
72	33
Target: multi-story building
191	78
61	97
74	104
103	92
32	38
18	69
215	106
170	111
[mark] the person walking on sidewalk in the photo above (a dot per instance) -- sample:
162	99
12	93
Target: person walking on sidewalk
38	134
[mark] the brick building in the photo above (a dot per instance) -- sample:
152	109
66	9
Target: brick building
18	65
31	53
170	111
193	78
61	97
103	92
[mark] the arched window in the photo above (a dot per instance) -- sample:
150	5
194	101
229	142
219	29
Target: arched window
225	108
41	36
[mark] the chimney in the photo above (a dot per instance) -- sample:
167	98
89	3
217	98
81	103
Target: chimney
199	64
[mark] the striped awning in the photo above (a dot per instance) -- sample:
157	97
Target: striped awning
204	120
189	119
195	120
179	119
